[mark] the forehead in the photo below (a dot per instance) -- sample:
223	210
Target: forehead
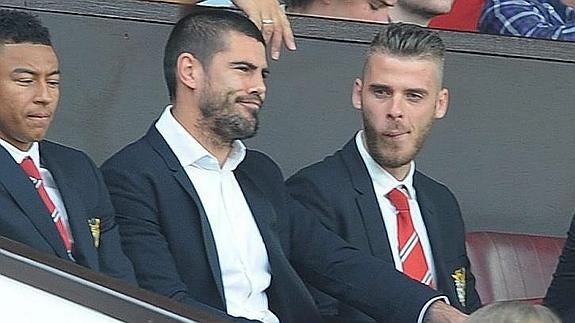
383	68
28	55
242	47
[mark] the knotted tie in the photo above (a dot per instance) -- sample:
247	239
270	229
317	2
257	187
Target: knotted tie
32	171
410	249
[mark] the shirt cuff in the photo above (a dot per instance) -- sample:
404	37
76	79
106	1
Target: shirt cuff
428	304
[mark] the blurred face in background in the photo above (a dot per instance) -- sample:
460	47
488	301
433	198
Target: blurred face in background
419	11
366	10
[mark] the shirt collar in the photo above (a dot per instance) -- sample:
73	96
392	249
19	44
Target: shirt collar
379	176
19	155
189	151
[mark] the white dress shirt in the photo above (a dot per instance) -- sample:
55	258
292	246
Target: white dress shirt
383	182
47	178
241	251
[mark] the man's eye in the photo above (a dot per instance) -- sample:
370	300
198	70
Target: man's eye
381	92
54	83
414	97
25	81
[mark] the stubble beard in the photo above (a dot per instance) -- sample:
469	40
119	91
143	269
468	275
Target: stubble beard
391	155
220	116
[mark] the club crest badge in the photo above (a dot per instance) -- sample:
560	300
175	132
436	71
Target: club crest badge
94	224
460	282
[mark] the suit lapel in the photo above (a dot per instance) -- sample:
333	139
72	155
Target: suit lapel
159	145
25	195
69	184
263	212
429	213
285	281
367	202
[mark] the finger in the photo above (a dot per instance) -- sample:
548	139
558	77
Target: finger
276	44
268	28
287	33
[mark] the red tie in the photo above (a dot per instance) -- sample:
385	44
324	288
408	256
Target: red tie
410	249
30	169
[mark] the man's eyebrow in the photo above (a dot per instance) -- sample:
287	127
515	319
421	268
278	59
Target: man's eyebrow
417	90
251	66
23	70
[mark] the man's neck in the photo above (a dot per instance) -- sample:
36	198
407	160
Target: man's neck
204	136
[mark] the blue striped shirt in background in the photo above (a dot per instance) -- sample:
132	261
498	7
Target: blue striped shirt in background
550	19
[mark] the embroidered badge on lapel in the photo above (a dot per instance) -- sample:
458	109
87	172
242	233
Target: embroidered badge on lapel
94	224
459	280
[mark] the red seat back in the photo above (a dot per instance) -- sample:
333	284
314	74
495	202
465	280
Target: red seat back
463	16
512	266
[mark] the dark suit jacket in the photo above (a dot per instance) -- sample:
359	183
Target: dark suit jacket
560	293
24	217
340	192
167	235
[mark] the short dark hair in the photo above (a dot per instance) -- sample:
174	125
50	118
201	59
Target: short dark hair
202	33
407	40
18	27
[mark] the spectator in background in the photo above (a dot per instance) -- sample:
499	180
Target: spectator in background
268	15
52	198
419	12
513	312
370	192
550	19
366	10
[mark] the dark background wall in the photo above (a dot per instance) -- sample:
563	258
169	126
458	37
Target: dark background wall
506	147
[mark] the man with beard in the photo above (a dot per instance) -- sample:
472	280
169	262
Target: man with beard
370	192
204	219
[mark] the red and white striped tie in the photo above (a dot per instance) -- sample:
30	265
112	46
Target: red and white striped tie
410	249
32	171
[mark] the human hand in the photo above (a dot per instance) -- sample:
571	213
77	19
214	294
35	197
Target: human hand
270	17
440	312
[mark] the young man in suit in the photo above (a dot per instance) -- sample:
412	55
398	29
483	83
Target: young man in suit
52	197
205	219
399	95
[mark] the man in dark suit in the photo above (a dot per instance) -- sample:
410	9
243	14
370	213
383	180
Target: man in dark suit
52	198
399	95
204	219
559	295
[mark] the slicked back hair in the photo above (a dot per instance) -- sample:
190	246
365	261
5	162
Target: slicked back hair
409	41
18	27
203	33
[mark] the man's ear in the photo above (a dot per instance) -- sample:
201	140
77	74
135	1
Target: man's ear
356	93
189	71
442	103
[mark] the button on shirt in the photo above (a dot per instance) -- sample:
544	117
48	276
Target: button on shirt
241	251
47	178
383	183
